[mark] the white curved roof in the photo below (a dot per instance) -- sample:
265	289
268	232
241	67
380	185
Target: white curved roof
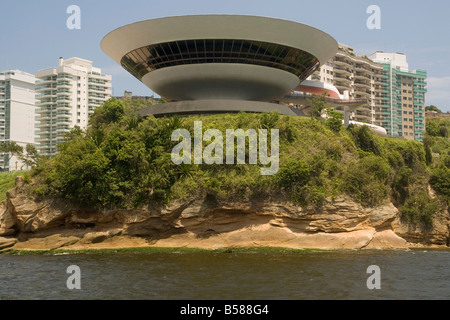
137	35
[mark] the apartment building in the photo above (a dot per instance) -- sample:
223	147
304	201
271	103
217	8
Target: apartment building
403	96
17	114
67	96
395	95
358	75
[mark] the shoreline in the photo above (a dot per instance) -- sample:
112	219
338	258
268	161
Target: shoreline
170	250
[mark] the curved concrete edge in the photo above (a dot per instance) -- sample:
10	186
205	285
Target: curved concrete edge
217	81
205	107
139	34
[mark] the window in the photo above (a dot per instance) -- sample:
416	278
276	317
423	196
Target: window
149	58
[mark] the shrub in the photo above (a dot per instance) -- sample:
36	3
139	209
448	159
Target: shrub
419	210
401	183
334	122
365	180
440	181
294	174
366	140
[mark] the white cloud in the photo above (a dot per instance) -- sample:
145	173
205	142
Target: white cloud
439	92
114	70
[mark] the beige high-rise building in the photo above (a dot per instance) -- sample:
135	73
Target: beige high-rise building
358	75
395	96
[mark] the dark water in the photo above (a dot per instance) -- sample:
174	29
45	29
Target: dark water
416	274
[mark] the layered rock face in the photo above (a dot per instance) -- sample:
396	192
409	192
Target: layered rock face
206	223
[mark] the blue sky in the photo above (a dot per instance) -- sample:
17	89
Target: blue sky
34	34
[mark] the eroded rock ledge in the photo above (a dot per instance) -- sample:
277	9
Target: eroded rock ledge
205	223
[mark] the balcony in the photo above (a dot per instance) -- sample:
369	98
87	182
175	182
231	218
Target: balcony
62	121
45	124
63	107
64	76
64	92
63	129
63	98
341	62
43	88
64	84
420	82
44	110
362	85
45	117
64	115
46	95
46	102
46	80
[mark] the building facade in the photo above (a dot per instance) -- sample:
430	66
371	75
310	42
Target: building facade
403	96
358	75
203	64
67	96
17	114
395	95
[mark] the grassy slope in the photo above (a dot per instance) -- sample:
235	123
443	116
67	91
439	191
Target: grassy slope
7	182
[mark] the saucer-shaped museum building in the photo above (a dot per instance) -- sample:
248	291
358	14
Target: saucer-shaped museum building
219	63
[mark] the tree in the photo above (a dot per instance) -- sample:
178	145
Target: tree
334	121
110	112
10	149
31	157
432	128
318	105
432	108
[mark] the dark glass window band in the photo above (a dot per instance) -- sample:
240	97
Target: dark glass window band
158	56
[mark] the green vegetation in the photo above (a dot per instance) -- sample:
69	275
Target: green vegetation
438	142
124	161
433	108
7	182
158	250
29	156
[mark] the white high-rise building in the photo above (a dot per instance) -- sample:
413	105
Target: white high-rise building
17	114
68	96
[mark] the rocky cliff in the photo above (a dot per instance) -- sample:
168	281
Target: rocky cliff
207	223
